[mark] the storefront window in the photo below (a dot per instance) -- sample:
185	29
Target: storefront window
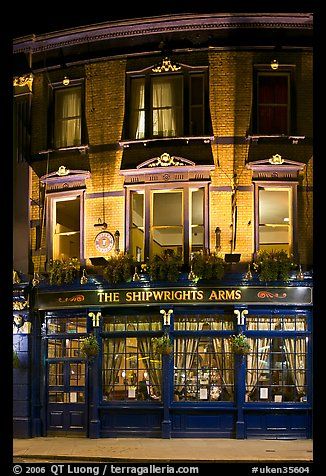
203	369
131	323
131	371
64	348
277	323
62	325
277	370
205	322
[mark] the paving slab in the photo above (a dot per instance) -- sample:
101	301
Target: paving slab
154	449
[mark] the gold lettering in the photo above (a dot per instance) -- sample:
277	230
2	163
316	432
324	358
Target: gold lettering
128	296
178	295
221	295
158	295
213	296
229	294
116	297
238	294
167	295
200	295
100	296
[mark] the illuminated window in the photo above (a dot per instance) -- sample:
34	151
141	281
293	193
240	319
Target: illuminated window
65	233
167	105
173	219
67	117
275	219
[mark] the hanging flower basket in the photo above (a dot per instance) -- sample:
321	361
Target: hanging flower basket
89	347
162	345
240	344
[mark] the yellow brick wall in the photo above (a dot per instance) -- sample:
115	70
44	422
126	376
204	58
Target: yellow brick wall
230	97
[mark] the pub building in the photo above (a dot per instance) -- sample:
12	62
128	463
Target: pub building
180	135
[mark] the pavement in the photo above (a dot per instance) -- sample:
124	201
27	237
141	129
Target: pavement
199	450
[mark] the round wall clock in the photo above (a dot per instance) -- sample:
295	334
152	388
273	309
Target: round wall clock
104	241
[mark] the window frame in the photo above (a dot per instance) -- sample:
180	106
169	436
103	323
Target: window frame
185	73
265	70
52	199
292	186
56	86
169	186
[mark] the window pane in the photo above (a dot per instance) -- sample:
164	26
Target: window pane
130	369
274	219
137	237
276	370
137	108
196	105
167	106
163	204
273	104
66	237
203	369
68	117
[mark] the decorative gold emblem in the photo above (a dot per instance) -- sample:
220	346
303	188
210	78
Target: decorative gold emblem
62	171
276	160
15	277
26	80
166	66
19	305
166	161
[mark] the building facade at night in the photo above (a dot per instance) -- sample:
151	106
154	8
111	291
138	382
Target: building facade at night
181	141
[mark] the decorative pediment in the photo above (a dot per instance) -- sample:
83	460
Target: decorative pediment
166	160
64	178
276	167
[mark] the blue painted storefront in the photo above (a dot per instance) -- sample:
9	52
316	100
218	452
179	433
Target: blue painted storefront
36	415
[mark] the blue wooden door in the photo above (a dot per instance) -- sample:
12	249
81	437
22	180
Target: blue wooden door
66	391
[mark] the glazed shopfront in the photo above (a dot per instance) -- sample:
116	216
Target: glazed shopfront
201	389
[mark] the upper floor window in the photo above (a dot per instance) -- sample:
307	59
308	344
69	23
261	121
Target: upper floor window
67	116
273	103
65	231
169	105
275	218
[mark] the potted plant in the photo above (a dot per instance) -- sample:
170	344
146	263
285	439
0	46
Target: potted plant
119	269
162	345
63	271
16	361
206	265
89	347
240	344
165	267
273	265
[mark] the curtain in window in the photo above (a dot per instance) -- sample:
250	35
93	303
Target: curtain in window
67	117
296	361
256	361
185	351
222	349
137	115
154	372
165	113
112	356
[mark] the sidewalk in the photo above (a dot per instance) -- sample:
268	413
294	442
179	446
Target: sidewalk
163	450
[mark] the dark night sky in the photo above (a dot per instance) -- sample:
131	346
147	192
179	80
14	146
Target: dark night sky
47	20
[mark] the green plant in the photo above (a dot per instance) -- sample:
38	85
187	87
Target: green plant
165	267
207	265
16	361
240	344
162	345
119	268
89	347
273	265
63	272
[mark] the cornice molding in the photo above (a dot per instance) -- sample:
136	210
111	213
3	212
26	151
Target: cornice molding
159	25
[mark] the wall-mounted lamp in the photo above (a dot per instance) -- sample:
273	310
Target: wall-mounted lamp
274	64
116	241
66	81
83	279
217	238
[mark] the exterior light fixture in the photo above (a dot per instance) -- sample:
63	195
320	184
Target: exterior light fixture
116	241
274	64
136	276
300	275
83	279
66	81
248	275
